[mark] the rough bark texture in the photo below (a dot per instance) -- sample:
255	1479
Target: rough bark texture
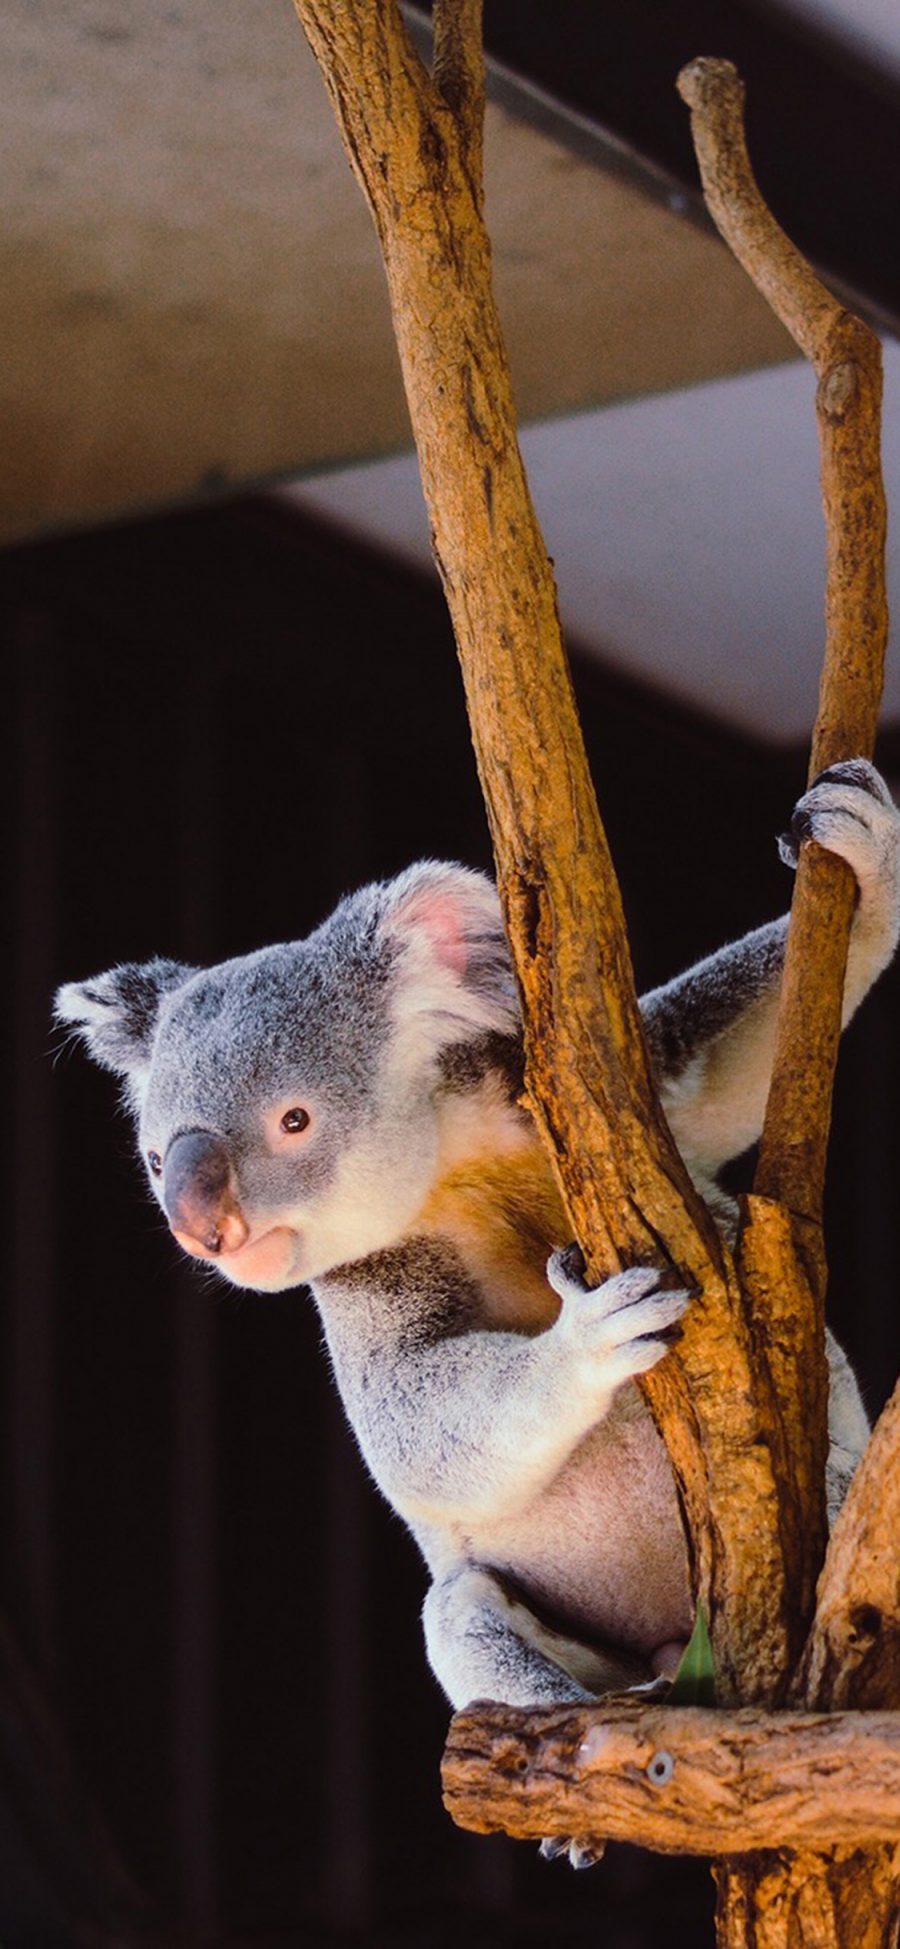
741	1403
678	1780
846	357
853	1655
588	1077
777	1902
843	1899
782	1274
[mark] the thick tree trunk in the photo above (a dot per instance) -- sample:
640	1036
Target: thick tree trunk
588	1077
853	1654
783	1901
741	1403
845	1899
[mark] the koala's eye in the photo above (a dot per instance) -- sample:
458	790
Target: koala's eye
155	1162
296	1119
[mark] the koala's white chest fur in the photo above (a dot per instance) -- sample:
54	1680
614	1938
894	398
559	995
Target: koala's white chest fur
595	1544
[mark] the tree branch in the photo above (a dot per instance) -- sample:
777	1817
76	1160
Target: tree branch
678	1780
588	1075
847	360
853	1655
776	1901
783	1276
414	144
458	72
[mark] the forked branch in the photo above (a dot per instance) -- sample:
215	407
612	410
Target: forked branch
589	1080
776	1901
414	140
783	1274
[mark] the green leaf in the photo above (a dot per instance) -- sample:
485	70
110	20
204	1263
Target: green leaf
695	1680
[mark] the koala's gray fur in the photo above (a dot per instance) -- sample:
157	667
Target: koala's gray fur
491	1394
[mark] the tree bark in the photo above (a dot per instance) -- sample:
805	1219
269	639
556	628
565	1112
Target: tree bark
846	357
741	1403
845	1899
588	1076
853	1655
679	1780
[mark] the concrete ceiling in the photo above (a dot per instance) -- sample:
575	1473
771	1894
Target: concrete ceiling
191	290
686	527
191	298
686	531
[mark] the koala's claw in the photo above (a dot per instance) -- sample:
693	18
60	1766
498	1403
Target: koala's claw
671	1334
567	1265
580	1854
622	1327
848	810
565	1272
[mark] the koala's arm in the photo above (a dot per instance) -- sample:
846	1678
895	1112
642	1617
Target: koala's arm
475	1424
712	1030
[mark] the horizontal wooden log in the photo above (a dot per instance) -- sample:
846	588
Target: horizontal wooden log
679	1780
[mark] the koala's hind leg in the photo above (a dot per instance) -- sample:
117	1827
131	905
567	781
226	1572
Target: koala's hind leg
485	1644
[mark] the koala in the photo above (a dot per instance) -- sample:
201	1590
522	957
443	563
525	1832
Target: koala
345	1112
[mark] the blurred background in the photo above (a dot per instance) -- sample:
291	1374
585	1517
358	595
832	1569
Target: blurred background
232	694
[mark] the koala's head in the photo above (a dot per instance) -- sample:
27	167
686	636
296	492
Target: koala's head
287	1102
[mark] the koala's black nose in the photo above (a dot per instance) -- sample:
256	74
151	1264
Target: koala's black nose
197	1194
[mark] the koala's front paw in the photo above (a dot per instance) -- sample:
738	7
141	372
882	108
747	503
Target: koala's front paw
849	810
621	1328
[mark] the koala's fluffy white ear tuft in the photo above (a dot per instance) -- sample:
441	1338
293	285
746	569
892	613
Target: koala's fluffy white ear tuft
116	1013
457	967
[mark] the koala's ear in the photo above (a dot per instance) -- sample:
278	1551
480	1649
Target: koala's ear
116	1013
457	961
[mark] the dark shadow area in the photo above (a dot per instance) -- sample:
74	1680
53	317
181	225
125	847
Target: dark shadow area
219	722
